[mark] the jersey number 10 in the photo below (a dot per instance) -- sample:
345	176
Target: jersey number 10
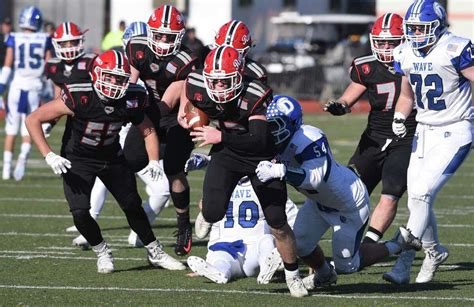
244	220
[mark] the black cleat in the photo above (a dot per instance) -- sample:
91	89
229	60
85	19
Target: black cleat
184	240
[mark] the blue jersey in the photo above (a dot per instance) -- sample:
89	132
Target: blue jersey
29	51
442	93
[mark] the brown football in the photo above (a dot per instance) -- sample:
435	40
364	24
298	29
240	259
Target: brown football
195	117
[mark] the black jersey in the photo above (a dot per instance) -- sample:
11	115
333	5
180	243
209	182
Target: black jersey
233	116
159	73
77	71
92	132
383	89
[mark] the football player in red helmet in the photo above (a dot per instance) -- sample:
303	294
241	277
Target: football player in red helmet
162	63
68	41
222	73
96	111
166	29
241	139
380	155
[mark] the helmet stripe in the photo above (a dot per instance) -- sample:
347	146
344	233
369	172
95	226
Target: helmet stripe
218	58
67	28
386	21
118	55
166	16
231	32
417	7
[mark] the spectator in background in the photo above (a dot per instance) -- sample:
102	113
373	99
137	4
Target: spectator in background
6	29
113	39
49	28
191	41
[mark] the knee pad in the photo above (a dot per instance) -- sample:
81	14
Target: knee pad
345	262
181	199
275	216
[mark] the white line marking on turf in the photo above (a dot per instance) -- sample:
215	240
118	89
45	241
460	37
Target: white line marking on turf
245	292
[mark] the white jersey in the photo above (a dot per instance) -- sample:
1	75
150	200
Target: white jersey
331	185
244	219
442	94
29	52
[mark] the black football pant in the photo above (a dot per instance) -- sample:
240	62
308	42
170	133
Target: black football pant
120	181
222	175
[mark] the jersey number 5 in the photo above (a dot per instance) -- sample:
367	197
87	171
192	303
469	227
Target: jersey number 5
436	90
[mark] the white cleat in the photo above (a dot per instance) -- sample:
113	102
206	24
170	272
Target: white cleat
73	228
6	172
435	256
408	240
158	258
201	227
105	261
204	269
134	240
81	242
296	286
316	281
19	171
400	273
269	267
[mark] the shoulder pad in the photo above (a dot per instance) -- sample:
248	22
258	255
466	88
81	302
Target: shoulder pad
305	136
364	59
79	87
185	57
257	88
89	55
256	68
139	40
196	78
54	61
136	88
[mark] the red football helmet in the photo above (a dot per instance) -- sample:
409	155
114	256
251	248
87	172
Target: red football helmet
165	30
223	68
386	34
68	41
110	74
235	34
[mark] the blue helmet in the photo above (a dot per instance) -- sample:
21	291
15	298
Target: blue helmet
428	19
136	28
285	116
30	18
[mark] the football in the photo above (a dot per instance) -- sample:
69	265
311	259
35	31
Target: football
195	117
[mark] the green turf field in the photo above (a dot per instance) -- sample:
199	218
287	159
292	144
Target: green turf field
39	266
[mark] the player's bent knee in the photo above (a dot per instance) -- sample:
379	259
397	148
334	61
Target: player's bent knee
80	216
211	214
275	216
346	265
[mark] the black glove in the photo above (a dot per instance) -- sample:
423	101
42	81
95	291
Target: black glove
336	108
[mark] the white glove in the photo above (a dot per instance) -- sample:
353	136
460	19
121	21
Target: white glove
196	161
154	169
398	125
267	171
57	163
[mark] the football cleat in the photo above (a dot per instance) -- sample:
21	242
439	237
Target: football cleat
158	258
296	286
7	169
201	227
204	269
317	281
268	268
105	260
184	240
134	240
72	228
19	171
400	273
408	240
81	242
435	256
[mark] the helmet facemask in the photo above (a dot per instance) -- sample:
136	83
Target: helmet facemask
382	46
223	87
427	33
111	84
161	47
69	49
279	129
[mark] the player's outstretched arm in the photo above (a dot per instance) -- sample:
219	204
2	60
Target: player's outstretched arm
344	103
47	112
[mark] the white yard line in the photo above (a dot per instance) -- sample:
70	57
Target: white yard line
244	292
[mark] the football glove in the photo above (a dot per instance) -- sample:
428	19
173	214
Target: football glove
267	171
154	169
196	161
336	108
398	125
59	164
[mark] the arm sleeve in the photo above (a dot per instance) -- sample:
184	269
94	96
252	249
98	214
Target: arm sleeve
309	176
68	99
466	57
10	41
257	140
355	74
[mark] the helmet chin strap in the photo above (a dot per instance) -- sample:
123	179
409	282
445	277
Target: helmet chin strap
104	99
